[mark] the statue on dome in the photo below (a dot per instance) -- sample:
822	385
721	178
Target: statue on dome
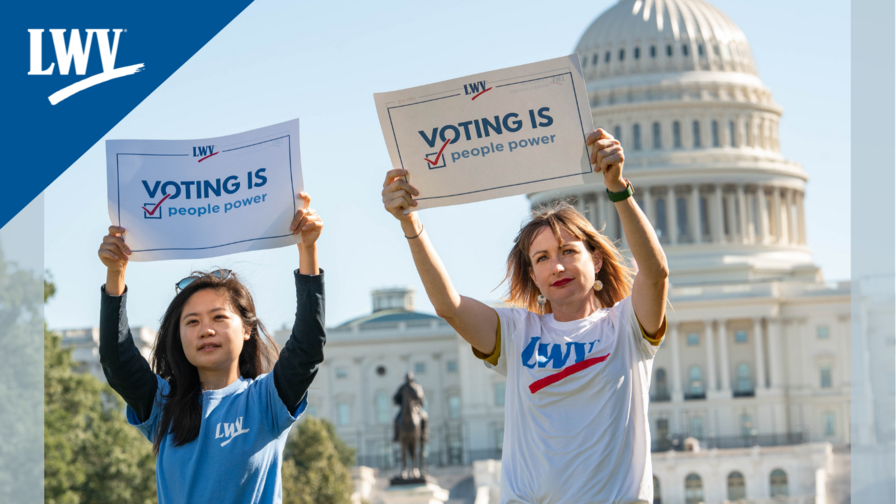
411	430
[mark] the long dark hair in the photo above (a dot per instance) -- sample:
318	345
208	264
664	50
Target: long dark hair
182	412
615	274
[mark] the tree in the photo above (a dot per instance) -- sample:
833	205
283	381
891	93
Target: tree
91	454
316	465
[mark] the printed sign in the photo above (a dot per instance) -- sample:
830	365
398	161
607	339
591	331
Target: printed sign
191	199
495	134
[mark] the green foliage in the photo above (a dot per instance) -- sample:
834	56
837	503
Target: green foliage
91	454
316	465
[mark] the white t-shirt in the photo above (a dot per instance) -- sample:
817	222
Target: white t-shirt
575	410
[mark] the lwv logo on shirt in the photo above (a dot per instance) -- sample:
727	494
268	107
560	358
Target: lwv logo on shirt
231	430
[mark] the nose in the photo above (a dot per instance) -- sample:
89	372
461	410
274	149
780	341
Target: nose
205	329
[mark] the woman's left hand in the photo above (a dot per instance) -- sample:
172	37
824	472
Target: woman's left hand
607	156
307	222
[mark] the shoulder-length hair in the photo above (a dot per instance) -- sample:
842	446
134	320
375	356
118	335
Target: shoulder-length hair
182	411
616	275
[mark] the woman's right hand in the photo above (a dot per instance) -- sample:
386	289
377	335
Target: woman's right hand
398	195
114	251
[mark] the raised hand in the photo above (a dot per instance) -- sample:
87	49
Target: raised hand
398	194
607	156
114	251
307	222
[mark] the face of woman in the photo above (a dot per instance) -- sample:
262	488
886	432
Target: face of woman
563	272
211	331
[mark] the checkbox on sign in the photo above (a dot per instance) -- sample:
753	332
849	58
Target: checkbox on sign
155	213
434	159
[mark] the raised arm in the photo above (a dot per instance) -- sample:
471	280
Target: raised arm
304	351
474	321
126	370
651	286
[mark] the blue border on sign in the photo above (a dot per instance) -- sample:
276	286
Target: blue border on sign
578	109
291	182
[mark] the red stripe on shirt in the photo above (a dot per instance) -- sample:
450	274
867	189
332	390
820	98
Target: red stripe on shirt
569	371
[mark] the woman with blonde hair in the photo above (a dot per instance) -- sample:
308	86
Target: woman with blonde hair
578	349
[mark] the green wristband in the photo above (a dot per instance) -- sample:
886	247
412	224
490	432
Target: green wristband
616	197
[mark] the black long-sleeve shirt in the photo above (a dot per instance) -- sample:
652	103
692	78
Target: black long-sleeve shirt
130	375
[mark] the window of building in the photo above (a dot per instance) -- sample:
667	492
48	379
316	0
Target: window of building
700	49
341	372
693	339
737	489
451	366
669	50
657	137
822	332
826	376
828	422
676	135
607	57
704	217
715	133
383	407
682	211
637	53
500	388
695	127
653	51
684	49
617	132
746	425
744	380
731	133
381	370
419	367
749	135
660	385
697	427
636	136
621	54
453	406
695	383
740	337
594	60
343	414
778	483
693	489
660	218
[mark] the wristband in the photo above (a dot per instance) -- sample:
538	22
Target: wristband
616	197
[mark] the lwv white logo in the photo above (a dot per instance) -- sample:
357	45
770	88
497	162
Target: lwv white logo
79	54
231	430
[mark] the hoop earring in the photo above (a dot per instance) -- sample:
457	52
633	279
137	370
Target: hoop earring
598	285
541	299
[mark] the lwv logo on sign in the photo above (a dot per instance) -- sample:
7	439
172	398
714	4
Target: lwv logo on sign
231	430
79	54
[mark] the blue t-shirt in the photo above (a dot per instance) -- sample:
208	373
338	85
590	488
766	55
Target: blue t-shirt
239	451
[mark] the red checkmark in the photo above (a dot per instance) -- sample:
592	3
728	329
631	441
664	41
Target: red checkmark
206	157
480	93
440	153
150	212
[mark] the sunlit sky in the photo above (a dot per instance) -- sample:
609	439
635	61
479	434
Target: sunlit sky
321	62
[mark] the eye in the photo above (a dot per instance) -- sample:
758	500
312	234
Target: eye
540	258
192	321
220	317
568	251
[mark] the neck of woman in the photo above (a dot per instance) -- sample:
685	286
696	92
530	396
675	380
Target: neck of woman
216	379
575	309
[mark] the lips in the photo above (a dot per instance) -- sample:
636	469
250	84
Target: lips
564	281
208	347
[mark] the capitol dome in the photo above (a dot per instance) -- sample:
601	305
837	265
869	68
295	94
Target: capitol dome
675	82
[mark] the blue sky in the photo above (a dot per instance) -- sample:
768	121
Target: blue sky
322	62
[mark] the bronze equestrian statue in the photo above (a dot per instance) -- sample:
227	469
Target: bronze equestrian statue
411	428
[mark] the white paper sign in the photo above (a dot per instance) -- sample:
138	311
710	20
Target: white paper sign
191	199
495	134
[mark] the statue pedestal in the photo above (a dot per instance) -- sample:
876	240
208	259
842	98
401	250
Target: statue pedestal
424	492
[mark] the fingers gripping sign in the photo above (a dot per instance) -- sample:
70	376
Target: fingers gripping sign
114	251
306	223
398	194
607	157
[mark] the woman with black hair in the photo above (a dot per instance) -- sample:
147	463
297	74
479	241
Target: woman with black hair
217	418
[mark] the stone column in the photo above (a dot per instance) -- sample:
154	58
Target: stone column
763	215
760	359
723	357
792	233
742	208
780	237
731	220
774	354
672	215
716	214
649	207
710	358
694	224
609	216
801	218
677	394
